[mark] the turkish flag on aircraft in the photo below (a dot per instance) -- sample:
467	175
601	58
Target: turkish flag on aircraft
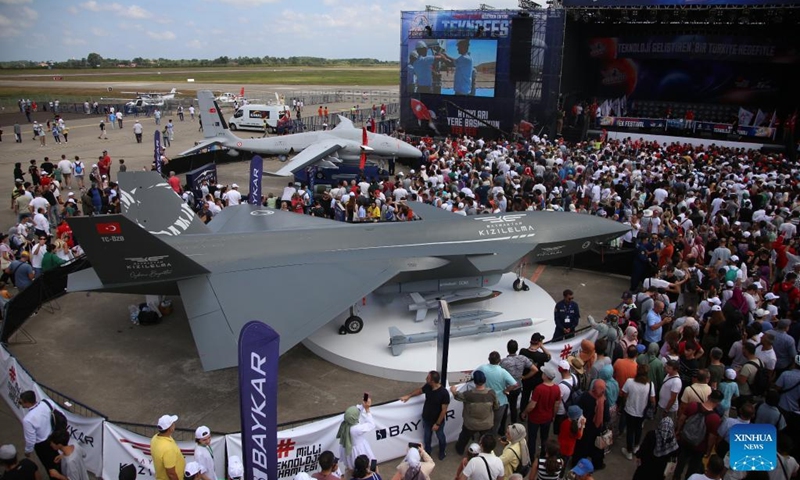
108	228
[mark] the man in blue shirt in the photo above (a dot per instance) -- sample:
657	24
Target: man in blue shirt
21	272
500	381
462	80
567	314
423	68
655	323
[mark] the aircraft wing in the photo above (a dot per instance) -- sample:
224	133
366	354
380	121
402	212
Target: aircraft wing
310	155
255	218
300	299
204	144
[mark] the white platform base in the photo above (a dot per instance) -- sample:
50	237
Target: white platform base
690	140
368	352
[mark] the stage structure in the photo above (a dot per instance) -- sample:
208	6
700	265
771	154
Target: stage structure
479	72
702	68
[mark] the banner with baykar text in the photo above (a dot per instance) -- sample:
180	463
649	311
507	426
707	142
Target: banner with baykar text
258	394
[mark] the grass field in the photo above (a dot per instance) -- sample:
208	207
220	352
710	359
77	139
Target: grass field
350	76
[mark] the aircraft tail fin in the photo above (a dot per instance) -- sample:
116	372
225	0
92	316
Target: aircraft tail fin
397	341
123	253
174	90
214	125
148	200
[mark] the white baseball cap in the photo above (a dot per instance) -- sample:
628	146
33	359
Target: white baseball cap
716	308
714	301
202	432
193	468
761	313
771	296
166	421
235	467
7	452
563	365
233	185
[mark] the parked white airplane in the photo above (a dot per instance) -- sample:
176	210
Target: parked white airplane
326	148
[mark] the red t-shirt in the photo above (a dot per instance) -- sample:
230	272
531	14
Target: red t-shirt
567	439
545	397
712	423
175	183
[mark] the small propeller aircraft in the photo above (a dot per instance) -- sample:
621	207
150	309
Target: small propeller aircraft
147	99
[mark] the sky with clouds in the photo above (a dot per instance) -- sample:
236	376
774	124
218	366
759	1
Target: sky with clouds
57	30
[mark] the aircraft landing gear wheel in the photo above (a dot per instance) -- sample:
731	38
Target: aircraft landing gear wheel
353	324
520	285
342	330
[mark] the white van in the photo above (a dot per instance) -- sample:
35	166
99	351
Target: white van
251	117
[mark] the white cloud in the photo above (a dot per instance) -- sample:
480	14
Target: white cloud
195	44
28	15
99	32
15	2
18	20
249	3
73	41
72	9
165	35
133	11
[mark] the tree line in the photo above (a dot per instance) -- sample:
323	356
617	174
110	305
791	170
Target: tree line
95	60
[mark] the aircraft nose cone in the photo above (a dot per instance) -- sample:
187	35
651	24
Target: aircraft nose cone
408	151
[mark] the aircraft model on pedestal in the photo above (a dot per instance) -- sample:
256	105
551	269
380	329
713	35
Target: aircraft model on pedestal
298	272
326	148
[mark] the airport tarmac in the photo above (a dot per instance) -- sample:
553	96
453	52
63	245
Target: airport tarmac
89	350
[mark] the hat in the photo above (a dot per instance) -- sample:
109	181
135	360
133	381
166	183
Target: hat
714	301
7	452
761	313
771	296
716	396
166	421
537	337
584	467
193	468
647	213
71	194
784	323
233	185
734	258
574	412
640	348
729	284
716	308
730	373
202	432
478	377
626	295
474	448
576	363
235	467
563	365
549	371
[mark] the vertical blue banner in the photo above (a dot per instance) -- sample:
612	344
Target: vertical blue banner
256	169
258	397
157	151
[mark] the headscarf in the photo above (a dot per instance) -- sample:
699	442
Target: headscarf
351	416
587	354
518	435
665	438
413	461
631	337
652	352
598	392
738	301
612	387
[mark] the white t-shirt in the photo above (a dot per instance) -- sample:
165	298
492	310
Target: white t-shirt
787	463
563	385
699	476
671	385
65	166
202	455
37	255
476	468
768	357
638	395
233	197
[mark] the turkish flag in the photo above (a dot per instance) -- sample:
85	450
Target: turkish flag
212	110
108	228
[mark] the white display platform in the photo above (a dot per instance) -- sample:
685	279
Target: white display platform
647	137
368	352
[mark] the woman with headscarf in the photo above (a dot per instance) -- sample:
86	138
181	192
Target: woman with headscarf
631	337
656	449
595	409
352	434
417	465
515	452
612	393
652	359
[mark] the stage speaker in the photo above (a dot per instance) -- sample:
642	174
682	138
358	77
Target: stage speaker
521	41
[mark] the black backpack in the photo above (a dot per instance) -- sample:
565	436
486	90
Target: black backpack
693	283
58	421
760	382
575	392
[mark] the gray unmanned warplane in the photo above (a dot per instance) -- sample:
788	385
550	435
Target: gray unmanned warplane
324	148
297	272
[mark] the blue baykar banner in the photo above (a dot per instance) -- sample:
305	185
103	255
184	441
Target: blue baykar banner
256	169
455	72
258	397
157	151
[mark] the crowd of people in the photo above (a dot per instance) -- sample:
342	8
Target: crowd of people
705	338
